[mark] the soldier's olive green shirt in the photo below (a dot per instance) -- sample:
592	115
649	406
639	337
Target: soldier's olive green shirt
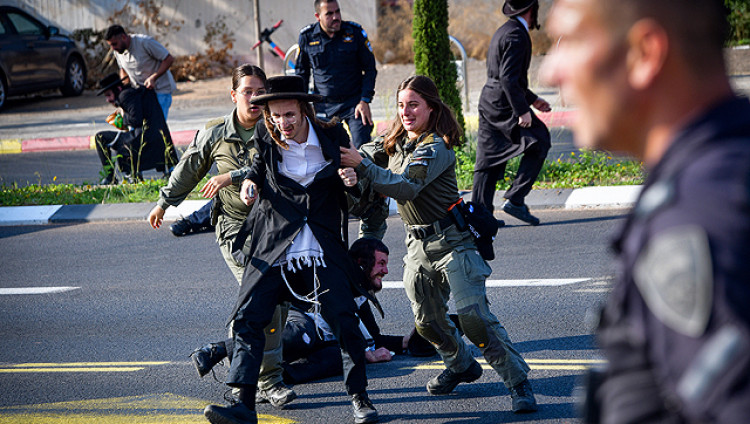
219	142
422	182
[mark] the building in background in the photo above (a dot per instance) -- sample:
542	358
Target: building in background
195	17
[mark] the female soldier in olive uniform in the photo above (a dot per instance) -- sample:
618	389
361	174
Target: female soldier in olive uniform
227	142
440	258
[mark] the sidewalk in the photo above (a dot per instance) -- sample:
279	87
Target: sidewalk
589	197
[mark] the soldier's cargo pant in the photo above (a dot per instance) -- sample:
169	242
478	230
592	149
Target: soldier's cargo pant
448	263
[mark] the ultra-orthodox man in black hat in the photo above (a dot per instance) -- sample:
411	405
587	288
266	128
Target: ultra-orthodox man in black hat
298	250
507	125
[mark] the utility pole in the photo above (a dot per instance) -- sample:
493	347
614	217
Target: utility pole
256	7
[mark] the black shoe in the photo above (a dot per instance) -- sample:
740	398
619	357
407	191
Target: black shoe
500	223
448	380
364	411
204	358
520	212
238	413
279	395
181	227
523	397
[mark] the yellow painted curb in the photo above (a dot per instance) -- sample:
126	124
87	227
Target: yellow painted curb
10	146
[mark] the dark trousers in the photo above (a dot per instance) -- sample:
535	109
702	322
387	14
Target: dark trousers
307	357
485	180
345	111
113	141
337	308
202	217
325	362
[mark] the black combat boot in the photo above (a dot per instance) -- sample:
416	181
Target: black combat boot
204	358
364	411
448	380
242	412
523	397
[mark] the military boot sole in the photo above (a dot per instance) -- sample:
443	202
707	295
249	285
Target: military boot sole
372	418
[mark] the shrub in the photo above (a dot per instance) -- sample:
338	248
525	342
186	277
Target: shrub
215	61
395	43
739	21
432	53
472	22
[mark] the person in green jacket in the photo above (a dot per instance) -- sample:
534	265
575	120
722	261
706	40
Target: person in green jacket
227	142
441	259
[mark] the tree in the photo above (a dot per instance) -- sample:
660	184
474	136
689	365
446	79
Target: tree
432	53
739	21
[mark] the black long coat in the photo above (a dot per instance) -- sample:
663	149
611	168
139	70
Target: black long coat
149	139
506	96
284	206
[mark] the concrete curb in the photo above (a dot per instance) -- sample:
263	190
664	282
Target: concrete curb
184	137
589	197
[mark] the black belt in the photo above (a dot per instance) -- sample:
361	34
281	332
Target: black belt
421	232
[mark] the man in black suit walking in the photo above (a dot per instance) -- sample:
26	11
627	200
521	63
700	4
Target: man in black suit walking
507	126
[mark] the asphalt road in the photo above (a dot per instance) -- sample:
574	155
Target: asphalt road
115	348
83	166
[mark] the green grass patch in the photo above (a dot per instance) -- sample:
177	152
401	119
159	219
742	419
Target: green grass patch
583	169
72	194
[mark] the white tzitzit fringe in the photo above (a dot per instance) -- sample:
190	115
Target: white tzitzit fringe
313	297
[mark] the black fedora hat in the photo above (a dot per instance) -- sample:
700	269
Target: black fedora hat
513	8
286	87
109	82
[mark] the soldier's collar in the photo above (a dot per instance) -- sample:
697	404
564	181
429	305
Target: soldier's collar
410	145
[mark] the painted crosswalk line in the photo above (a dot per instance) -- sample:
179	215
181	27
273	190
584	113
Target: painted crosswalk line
535	364
35	290
75	367
537	282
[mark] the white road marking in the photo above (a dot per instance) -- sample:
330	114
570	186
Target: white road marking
552	282
36	290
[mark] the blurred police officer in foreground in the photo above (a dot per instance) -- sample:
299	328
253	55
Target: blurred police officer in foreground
649	79
339	56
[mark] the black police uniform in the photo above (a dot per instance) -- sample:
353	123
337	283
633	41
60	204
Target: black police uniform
343	71
676	328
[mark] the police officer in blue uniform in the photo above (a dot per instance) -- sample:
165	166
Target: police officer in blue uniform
676	326
339	56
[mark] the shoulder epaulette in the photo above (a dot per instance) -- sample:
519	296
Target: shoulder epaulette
214	122
354	24
307	28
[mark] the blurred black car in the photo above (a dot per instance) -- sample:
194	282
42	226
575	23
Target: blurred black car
36	57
